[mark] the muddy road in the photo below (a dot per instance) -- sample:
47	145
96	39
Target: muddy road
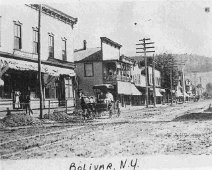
180	129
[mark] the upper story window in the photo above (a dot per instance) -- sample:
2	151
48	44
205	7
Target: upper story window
88	69
150	78
17	36
35	40
157	81
51	45
64	52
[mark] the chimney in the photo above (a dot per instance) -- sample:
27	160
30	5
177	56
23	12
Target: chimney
84	45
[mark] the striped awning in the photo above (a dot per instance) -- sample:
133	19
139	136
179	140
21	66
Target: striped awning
27	66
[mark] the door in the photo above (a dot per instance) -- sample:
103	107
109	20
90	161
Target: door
61	91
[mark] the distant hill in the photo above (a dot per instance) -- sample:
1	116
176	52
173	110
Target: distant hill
198	69
195	63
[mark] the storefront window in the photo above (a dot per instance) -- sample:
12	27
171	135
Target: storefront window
50	87
50	92
5	88
68	88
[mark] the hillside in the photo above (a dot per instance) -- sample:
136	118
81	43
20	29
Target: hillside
195	63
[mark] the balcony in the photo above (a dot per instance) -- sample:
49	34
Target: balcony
114	78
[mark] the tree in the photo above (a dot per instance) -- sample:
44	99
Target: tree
166	63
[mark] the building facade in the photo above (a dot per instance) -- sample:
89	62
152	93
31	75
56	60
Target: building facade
159	91
140	82
105	65
19	55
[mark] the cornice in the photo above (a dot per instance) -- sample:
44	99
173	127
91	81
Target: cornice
111	42
59	15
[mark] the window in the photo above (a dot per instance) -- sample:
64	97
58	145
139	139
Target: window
35	41
51	46
17	36
51	85
150	78
5	88
68	88
64	57
88	69
157	81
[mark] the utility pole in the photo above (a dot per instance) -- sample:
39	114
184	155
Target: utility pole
171	78
171	86
183	84
39	62
144	44
153	80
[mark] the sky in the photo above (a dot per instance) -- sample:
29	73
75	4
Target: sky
174	26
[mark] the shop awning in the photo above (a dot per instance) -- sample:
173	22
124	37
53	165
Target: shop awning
186	95
162	90
26	66
173	91
135	91
157	92
124	88
127	88
178	93
56	71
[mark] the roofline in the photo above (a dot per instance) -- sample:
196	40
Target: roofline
52	12
111	42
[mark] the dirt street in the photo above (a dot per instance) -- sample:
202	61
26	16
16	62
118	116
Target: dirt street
180	129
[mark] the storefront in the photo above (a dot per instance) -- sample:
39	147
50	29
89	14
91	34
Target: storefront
159	96
129	94
19	77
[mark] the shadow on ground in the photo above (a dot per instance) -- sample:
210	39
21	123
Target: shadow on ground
194	116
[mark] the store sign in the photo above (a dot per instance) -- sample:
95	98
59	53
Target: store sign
110	52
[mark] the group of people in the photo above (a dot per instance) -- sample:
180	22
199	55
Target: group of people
22	101
88	103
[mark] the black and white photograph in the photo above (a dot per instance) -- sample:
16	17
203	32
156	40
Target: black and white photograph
108	84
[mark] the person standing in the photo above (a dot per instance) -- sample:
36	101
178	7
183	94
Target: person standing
109	99
28	103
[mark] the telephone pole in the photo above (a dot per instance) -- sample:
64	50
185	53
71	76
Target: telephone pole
171	85
153	80
39	62
145	51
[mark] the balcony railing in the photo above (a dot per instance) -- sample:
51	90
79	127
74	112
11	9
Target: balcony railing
114	78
